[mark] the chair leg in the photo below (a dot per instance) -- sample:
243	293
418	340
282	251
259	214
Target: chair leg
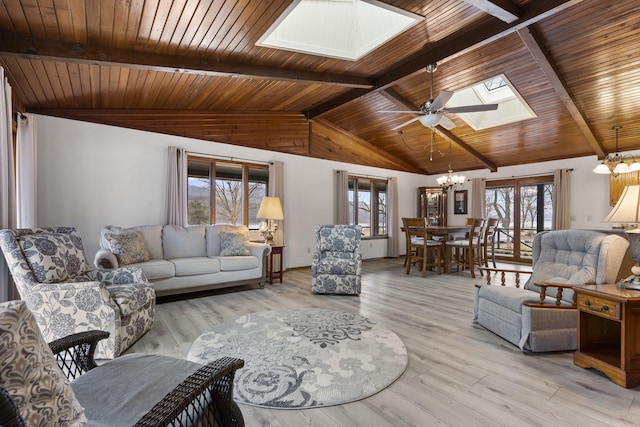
470	263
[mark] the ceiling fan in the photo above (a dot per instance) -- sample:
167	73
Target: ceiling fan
432	112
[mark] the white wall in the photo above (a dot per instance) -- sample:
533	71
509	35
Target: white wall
93	175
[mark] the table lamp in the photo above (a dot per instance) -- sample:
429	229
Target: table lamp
270	209
627	211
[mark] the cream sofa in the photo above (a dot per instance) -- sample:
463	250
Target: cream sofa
186	259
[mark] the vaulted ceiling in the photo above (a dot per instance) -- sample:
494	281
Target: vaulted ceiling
192	68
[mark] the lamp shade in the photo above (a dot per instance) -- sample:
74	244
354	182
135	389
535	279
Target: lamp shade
270	208
622	167
602	169
627	210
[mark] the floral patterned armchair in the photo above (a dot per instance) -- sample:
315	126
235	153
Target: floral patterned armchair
52	275
336	267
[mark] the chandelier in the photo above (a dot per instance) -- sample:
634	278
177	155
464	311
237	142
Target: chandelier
451	181
615	163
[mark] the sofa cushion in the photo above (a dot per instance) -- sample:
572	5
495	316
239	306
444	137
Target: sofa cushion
54	257
157	269
152	235
213	236
236	263
234	244
30	373
129	248
181	242
195	265
136	395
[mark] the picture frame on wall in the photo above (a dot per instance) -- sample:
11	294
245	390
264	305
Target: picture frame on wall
460	202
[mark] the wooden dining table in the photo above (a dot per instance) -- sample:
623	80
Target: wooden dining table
444	231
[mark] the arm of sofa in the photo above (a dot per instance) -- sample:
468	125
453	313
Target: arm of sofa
105	259
258	249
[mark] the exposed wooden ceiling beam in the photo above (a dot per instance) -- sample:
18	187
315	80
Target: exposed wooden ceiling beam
395	97
13	45
392	95
561	88
449	47
358	147
504	10
466	147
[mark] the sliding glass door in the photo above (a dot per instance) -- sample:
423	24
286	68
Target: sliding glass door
523	207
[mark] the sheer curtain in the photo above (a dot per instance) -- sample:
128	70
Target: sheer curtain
342	197
26	171
276	189
7	181
393	242
478	188
560	200
176	209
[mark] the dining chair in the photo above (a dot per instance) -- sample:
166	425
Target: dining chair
487	236
464	253
420	248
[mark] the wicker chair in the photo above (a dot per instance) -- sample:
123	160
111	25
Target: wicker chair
203	398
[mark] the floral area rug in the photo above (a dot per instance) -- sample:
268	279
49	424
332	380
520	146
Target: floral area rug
305	358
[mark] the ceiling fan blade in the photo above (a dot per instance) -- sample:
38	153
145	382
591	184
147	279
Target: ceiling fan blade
470	108
442	98
446	123
406	123
399	111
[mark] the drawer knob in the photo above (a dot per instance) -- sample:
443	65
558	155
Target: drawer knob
599	310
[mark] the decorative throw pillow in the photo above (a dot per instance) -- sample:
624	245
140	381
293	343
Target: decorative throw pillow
129	248
53	257
30	373
234	244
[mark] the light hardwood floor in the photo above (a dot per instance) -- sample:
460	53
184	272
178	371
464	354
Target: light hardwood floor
459	374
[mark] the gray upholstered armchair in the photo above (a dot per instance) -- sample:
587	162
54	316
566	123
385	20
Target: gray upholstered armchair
66	296
542	316
336	267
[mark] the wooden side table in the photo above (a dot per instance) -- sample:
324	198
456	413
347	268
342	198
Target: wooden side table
275	250
609	332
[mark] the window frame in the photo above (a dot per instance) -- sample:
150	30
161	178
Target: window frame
374	221
245	166
517	184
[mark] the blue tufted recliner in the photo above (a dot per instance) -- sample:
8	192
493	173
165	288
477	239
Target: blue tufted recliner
562	257
336	267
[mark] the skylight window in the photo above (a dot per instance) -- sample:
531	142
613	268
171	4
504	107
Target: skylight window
497	90
343	29
494	83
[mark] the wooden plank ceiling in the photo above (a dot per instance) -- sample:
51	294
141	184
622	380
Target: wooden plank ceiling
192	68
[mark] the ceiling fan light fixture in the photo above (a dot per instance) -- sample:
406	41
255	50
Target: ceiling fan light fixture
430	120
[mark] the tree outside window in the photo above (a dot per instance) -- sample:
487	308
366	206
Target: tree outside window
225	192
524	208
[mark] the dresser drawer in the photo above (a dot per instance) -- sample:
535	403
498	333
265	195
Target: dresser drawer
600	306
